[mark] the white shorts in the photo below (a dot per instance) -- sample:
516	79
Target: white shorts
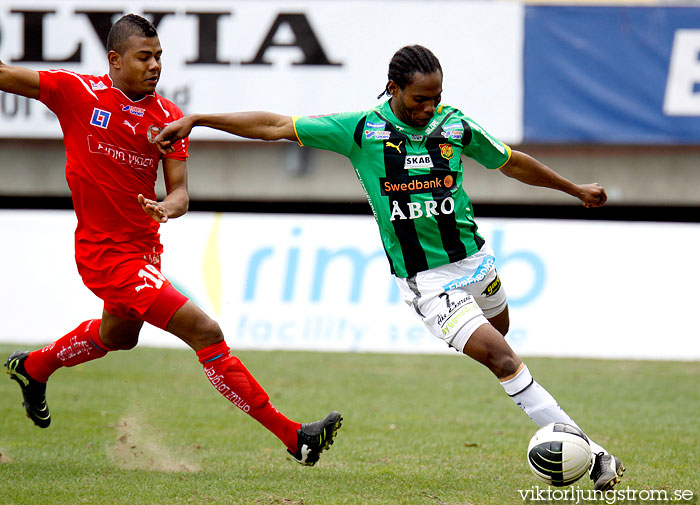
453	300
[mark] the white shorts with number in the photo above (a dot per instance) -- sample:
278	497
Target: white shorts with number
454	300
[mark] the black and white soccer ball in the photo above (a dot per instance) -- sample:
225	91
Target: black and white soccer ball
559	454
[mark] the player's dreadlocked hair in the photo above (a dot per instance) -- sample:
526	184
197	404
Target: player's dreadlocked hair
125	27
407	61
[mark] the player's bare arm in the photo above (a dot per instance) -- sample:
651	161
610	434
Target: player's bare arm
19	81
528	170
177	201
253	125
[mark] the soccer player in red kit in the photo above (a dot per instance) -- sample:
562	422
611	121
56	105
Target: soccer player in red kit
109	123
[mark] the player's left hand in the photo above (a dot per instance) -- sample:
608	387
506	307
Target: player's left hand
153	209
172	133
593	195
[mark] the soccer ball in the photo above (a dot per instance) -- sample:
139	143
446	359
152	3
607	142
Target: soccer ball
559	454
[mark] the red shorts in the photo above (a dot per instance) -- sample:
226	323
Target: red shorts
128	279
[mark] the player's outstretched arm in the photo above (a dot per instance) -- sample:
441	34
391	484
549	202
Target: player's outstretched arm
19	81
253	125
177	201
528	170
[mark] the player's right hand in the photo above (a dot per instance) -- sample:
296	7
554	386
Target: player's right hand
173	132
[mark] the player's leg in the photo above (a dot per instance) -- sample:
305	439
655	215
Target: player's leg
119	333
460	317
488	346
92	339
232	379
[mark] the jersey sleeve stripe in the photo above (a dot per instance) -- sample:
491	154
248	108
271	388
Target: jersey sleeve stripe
294	124
87	88
509	155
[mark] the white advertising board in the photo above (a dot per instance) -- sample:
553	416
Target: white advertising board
284	56
585	289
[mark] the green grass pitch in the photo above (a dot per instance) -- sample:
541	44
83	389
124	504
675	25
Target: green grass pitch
145	427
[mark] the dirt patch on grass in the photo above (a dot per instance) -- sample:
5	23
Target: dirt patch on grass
138	447
4	458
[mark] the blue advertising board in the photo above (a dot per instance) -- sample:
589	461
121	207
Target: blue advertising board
612	75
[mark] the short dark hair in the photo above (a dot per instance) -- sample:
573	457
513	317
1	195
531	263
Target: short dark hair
125	27
407	61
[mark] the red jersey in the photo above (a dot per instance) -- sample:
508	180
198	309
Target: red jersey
109	156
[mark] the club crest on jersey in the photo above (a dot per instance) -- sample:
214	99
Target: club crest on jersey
100	118
132	109
152	132
446	151
420	161
380	135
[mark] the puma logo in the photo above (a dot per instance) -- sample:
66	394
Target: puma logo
397	147
133	127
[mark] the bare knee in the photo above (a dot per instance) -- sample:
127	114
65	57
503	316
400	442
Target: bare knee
194	327
206	332
488	347
504	365
120	341
119	334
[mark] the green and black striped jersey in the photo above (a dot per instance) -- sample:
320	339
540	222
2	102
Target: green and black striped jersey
412	178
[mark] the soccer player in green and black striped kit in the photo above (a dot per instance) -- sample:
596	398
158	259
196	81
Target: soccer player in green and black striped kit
406	153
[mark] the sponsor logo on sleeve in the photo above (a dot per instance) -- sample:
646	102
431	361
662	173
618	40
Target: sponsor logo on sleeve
100	118
457	135
370	124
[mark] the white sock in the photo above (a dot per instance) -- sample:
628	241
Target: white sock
538	404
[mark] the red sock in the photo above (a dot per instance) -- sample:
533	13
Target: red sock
80	345
230	378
